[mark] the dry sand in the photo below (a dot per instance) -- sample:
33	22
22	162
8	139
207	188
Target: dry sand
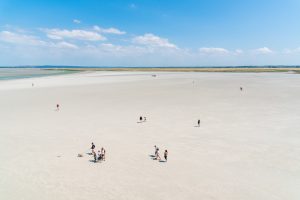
247	148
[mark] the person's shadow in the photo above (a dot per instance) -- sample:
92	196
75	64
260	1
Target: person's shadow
153	157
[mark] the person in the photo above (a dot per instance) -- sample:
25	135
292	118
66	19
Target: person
141	118
158	156
103	153
99	155
57	106
199	122
95	156
166	155
241	88
145	119
93	148
156	150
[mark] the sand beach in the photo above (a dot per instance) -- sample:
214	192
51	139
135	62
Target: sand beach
246	148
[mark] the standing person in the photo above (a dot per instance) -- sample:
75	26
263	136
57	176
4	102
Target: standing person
166	155
156	150
103	153
198	122
141	118
95	156
57	107
93	147
99	156
241	88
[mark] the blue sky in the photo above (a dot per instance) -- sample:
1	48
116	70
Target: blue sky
150	32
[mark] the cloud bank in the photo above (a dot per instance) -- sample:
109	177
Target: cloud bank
111	46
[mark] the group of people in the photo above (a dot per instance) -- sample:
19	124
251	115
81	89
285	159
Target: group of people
157	156
143	119
100	155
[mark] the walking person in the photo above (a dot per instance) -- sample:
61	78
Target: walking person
198	122
57	107
166	155
141	118
158	156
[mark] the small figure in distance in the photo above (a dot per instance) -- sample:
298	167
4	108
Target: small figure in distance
32	84
103	153
241	88
99	156
145	119
166	155
156	150
198	122
141	118
157	155
93	147
57	107
95	156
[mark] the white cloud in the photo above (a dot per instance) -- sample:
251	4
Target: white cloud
64	45
213	51
59	34
76	21
151	40
28	40
263	50
238	51
108	47
291	51
22	39
109	30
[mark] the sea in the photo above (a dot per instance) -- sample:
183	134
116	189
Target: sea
9	73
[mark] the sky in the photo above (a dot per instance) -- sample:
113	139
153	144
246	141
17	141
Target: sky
149	32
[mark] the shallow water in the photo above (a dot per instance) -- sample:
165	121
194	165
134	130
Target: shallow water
19	73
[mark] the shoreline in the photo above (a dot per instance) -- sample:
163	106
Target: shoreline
182	69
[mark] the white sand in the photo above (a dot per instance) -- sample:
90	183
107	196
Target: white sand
247	148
